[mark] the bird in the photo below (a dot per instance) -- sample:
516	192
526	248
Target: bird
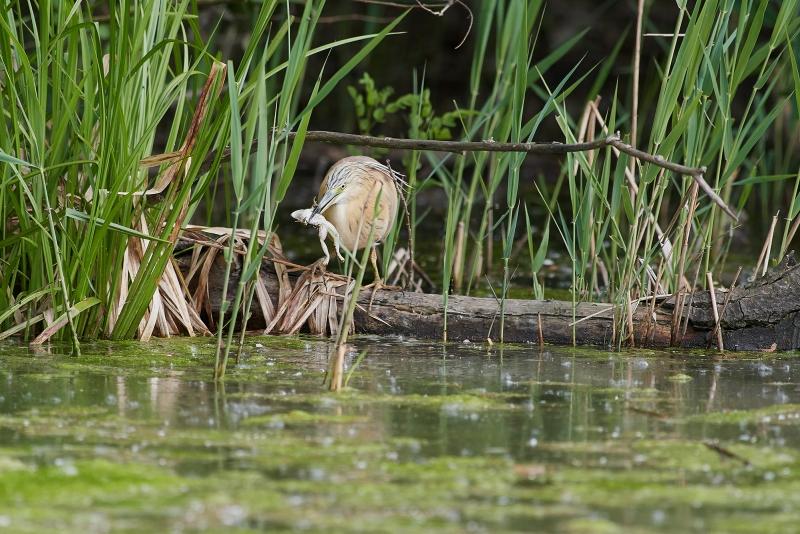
347	199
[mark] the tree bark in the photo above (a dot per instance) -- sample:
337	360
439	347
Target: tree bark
762	315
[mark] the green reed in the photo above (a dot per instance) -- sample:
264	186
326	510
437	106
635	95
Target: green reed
85	106
615	227
83	111
85	100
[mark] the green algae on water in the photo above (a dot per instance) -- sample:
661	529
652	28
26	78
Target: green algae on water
527	443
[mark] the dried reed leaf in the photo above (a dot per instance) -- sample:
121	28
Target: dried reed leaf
241	233
20	327
287	304
264	301
333	316
154	310
180	159
295	302
64	318
201	293
49	316
318	321
172	291
18	317
195	263
310	308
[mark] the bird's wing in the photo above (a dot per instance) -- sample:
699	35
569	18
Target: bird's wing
390	173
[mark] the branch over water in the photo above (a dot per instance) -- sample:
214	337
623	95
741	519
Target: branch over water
490	145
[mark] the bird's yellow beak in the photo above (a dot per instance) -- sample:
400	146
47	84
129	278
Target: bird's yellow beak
327	199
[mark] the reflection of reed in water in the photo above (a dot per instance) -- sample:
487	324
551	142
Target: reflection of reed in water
161	392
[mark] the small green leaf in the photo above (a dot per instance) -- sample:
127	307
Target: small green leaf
767	74
372	97
86	218
5	158
443	134
764	179
541	254
626	204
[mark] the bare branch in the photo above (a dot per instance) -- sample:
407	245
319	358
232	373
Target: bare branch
490	145
471	20
445	8
427	7
352	17
404	6
437	13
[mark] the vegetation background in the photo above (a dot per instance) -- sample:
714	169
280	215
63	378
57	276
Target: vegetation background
93	94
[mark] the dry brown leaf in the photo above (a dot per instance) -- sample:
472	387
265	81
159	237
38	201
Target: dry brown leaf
264	301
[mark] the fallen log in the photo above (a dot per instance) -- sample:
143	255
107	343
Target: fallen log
762	315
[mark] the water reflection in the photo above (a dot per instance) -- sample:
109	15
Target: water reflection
502	427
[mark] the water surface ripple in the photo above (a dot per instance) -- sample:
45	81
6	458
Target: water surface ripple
427	438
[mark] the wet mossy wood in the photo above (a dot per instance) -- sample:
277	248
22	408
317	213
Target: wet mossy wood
762	315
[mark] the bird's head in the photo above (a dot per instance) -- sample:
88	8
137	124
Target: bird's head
335	190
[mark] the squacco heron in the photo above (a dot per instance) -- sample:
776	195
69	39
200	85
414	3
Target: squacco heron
347	199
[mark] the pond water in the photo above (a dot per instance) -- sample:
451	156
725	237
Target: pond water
426	438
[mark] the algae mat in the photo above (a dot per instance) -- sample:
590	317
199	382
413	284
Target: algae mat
427	438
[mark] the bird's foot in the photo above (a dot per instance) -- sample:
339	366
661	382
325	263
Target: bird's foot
376	285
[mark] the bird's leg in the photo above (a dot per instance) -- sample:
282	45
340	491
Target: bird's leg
373	258
378	282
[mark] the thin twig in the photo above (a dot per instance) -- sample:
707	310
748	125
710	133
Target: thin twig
352	17
427	7
715	312
637	59
541	334
726	453
408	227
792	231
242	251
395	4
687	227
437	13
423	274
765	250
445	8
725	304
695	172
416	144
611	307
691	296
457	274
